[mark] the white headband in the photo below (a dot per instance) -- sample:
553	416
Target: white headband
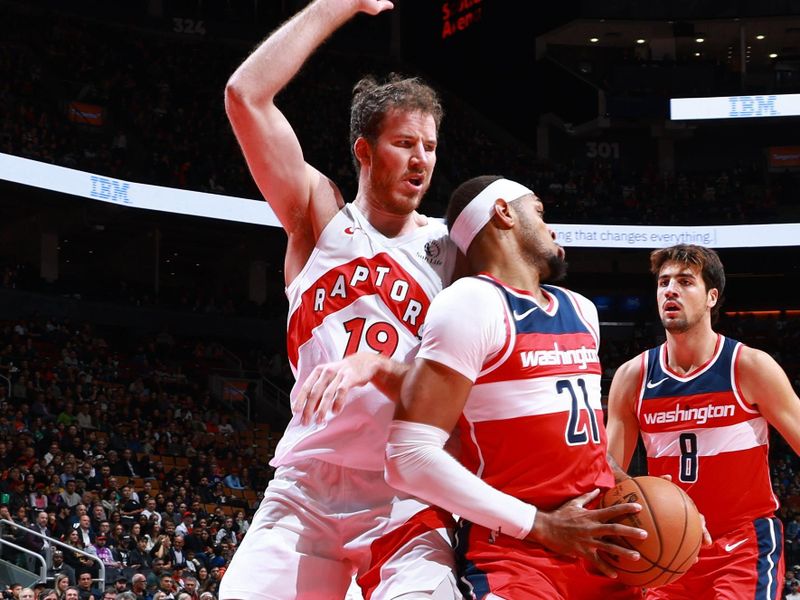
480	209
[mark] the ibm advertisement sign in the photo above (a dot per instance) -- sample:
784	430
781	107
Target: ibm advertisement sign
735	107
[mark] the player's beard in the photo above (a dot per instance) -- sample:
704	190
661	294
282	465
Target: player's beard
556	269
679	324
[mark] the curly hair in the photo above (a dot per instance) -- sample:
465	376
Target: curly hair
373	100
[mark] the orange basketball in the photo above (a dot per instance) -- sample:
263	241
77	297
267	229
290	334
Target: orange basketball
674	531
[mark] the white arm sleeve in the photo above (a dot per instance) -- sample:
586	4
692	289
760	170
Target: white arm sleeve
417	463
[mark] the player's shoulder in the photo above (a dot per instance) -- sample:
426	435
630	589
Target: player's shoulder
470	287
753	359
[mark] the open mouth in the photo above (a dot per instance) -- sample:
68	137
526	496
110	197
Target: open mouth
416	180
671	308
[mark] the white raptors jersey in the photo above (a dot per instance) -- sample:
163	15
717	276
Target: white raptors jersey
359	291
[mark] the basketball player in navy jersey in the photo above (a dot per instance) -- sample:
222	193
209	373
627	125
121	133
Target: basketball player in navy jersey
513	363
702	404
359	276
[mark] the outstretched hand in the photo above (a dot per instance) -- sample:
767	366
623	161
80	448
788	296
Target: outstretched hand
324	391
574	530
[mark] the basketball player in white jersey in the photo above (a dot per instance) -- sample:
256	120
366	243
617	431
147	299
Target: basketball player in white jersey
359	276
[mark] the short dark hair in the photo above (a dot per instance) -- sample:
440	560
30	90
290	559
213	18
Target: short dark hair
711	269
373	100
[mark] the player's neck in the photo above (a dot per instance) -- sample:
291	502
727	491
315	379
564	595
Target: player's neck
690	350
518	275
388	223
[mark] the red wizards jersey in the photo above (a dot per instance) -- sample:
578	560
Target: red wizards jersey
359	291
698	429
532	425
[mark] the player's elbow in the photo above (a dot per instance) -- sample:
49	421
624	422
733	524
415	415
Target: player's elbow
393	471
235	96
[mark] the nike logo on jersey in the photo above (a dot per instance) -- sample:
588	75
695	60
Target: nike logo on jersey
519	317
733	546
651	384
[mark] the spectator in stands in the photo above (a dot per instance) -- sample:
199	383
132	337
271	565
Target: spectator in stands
26	593
120	584
70	497
139	558
139	586
75	515
110	557
59	566
57	520
110	500
791	581
214	577
232	480
161	550
98	515
129	507
226	533
37	499
85	532
177	553
75	559
241	524
202	578
72	593
166	584
169	513
40	545
48	594
86	588
129	465
186	524
99	480
792	536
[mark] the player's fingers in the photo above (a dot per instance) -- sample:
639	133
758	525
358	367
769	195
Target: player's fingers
299	401
584	499
316	386
620	530
609	513
608	546
666	476
706	535
332	390
601	565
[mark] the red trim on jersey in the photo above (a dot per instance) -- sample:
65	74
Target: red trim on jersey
522	293
501	355
387	546
682	376
379	283
579	310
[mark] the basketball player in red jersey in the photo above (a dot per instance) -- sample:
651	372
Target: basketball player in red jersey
520	377
702	404
358	276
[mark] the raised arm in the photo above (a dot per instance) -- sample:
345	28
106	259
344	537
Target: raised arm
623	425
303	199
